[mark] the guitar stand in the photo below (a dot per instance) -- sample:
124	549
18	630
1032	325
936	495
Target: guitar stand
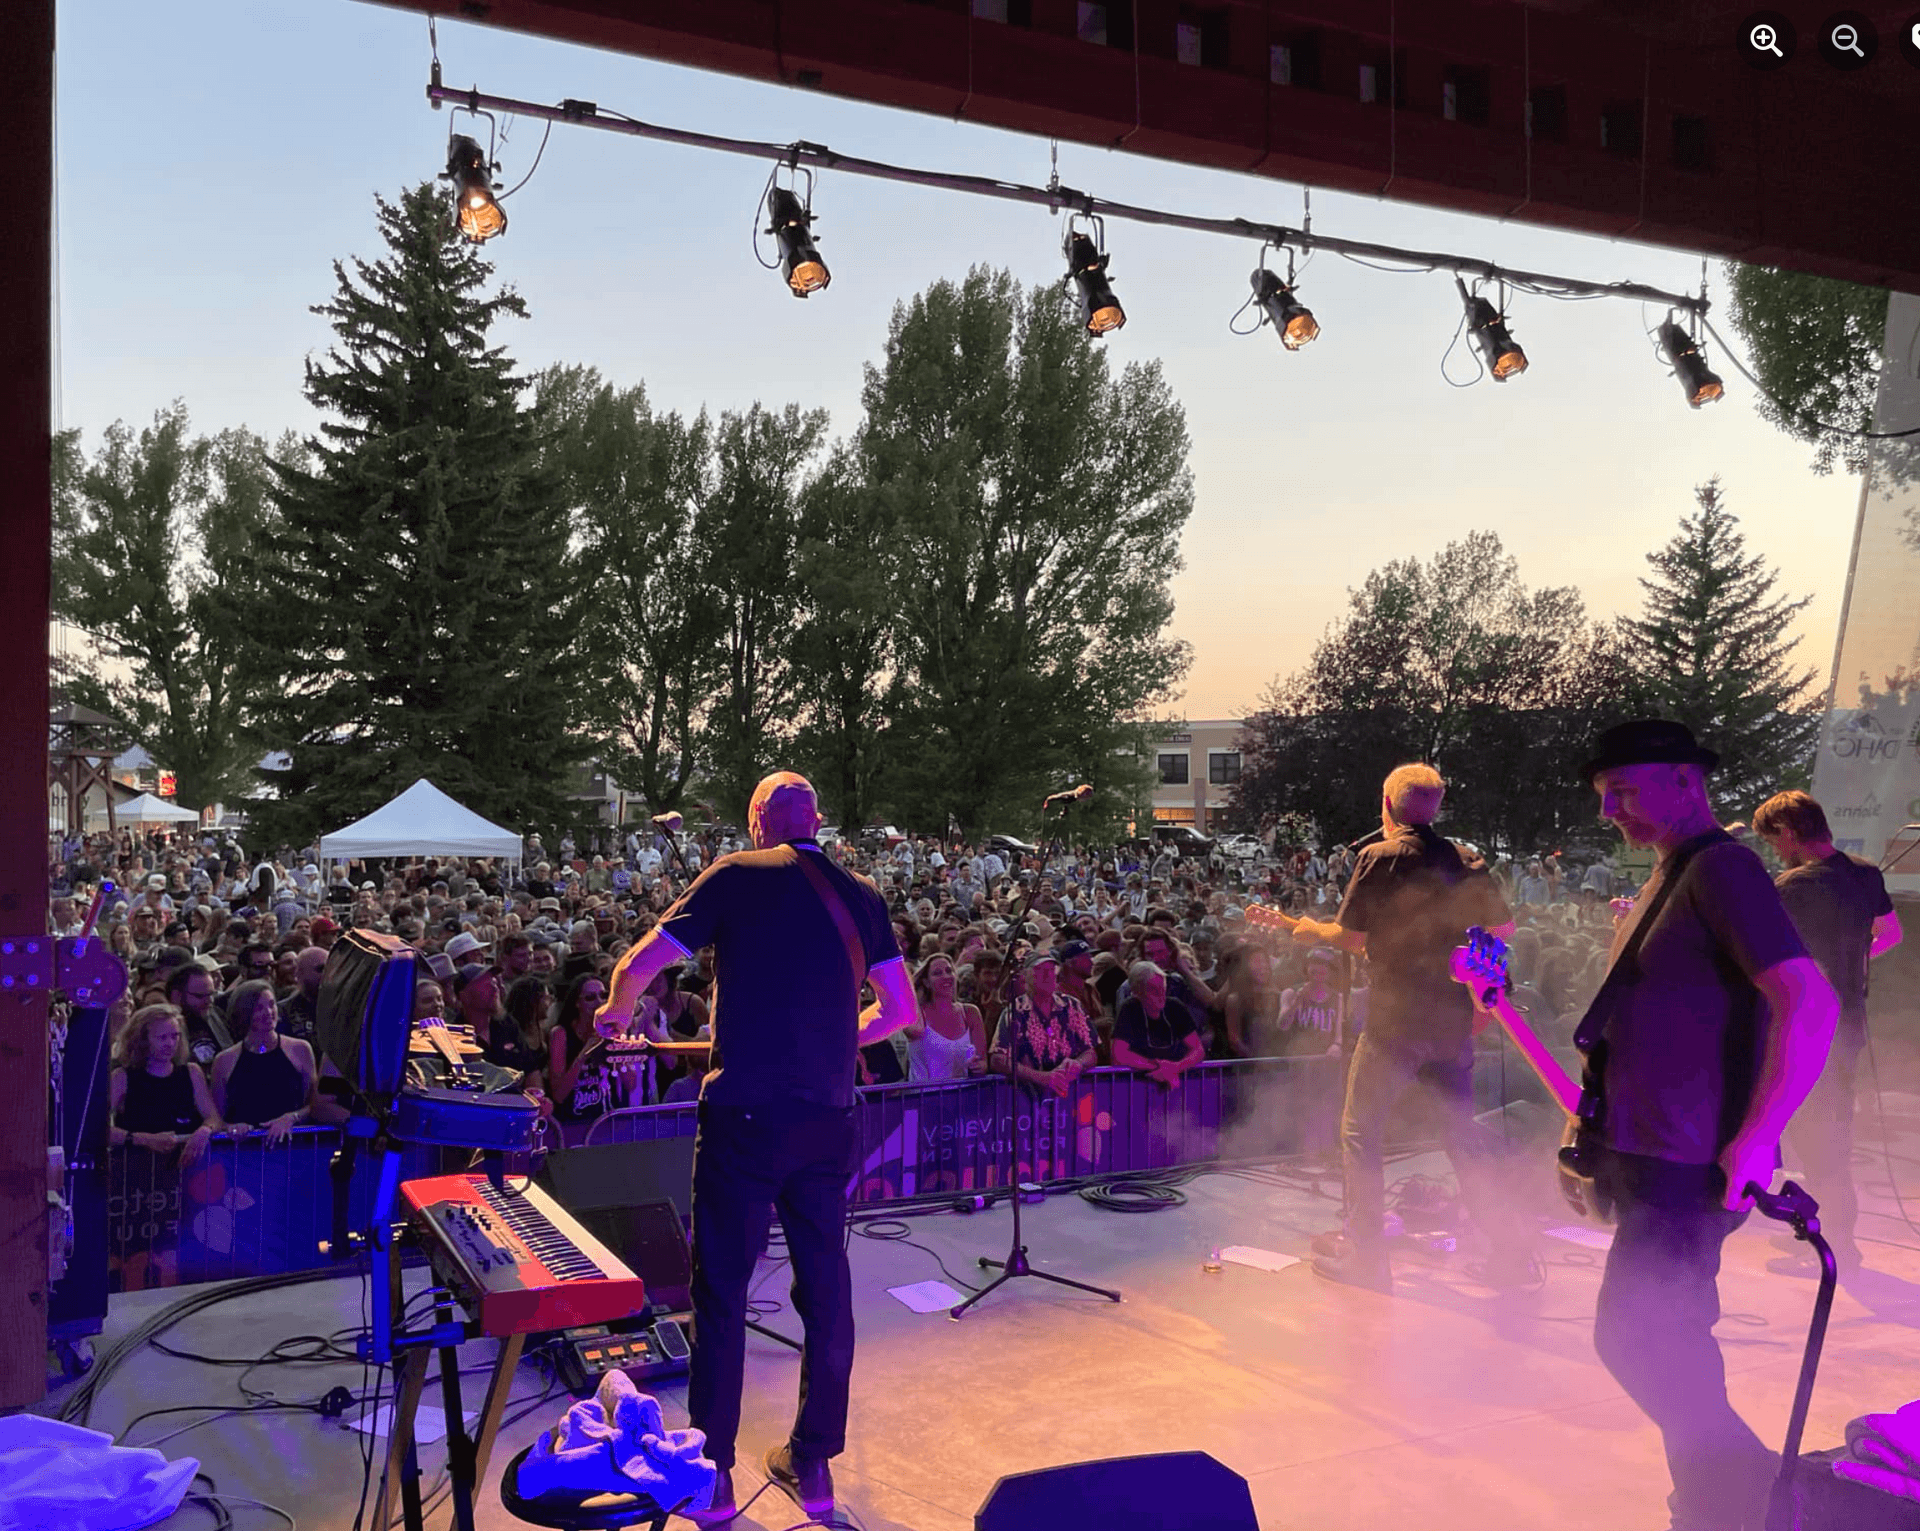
1794	1207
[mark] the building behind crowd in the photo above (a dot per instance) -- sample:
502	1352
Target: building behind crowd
1197	767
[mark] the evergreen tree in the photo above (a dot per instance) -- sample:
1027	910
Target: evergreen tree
422	624
1713	651
156	545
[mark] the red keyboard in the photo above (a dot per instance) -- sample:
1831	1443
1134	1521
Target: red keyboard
516	1261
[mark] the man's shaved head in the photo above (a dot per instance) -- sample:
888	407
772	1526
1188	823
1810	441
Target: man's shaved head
783	808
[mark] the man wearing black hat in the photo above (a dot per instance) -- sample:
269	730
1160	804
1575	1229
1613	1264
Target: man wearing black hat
1715	1024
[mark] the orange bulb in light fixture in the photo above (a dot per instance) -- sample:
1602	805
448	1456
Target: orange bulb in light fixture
476	214
1100	310
800	262
1292	320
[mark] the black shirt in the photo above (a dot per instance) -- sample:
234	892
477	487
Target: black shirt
785	1003
1161	1037
1684	1030
1416	896
1833	904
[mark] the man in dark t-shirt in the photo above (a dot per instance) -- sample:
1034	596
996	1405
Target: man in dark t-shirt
1412	899
1153	1033
1713	1033
1839	905
793	935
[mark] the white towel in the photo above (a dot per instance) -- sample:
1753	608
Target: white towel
1888	1441
617	1442
62	1475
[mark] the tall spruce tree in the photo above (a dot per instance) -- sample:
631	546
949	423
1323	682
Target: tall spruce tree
1713	650
422	621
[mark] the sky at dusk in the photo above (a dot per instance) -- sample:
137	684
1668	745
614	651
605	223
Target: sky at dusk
215	158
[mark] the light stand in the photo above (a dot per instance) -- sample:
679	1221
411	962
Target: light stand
1016	1262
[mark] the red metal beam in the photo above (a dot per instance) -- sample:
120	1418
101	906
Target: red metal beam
1647	127
26	447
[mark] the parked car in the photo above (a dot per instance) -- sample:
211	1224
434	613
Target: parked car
1011	847
829	834
1243	847
1188	840
881	836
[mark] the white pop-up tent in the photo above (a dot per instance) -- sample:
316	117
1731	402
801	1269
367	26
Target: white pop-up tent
422	821
148	809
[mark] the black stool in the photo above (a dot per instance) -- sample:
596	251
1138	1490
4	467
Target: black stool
579	1512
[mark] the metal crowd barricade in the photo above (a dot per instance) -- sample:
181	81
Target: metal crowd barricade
249	1209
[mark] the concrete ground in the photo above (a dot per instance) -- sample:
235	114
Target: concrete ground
1447	1405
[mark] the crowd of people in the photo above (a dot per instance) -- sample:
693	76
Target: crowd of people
1136	957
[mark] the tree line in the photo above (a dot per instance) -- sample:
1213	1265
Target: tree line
1456	662
491	578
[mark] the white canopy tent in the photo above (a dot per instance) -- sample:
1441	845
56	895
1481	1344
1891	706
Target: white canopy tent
148	809
422	821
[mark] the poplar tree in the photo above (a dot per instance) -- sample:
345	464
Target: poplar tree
1713	650
422	623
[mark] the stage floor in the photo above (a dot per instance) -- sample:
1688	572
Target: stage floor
1346	1410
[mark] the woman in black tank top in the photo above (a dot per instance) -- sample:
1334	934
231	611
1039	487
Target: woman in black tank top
265	1082
161	1117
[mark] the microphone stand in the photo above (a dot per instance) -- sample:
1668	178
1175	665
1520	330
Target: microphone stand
1016	1262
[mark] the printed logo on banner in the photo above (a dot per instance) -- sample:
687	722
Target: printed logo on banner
1861	736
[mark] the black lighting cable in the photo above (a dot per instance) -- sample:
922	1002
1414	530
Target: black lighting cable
1793	414
1132	1196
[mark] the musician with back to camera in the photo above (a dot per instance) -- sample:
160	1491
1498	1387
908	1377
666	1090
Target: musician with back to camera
1412	899
793	936
1712	1033
1839	904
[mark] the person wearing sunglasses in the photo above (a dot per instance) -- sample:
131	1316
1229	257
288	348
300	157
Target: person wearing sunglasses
585	1082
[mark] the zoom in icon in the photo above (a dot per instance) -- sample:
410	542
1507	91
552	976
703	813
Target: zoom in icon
1767	40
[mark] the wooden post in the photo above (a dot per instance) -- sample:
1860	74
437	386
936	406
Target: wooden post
26	524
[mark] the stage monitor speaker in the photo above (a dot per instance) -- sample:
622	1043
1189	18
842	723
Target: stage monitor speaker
651	1241
621	1175
1175	1491
363	1016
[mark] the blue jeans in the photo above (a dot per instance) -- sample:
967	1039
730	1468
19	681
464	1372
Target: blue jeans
1653	1328
795	1158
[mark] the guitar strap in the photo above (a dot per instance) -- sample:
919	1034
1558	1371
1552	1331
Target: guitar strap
1626	966
1590	1035
842	921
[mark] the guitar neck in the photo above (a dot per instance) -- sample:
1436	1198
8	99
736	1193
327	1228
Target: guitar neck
1559	1083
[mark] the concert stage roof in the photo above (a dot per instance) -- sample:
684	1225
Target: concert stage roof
1346	1411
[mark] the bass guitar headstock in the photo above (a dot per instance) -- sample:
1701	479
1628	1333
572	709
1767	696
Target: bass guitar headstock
1482	963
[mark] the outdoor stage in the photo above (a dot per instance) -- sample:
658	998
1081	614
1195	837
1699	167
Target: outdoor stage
1447	1405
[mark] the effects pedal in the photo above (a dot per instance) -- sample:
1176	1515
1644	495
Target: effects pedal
648	1352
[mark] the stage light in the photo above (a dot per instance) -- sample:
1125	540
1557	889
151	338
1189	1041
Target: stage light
1292	320
1100	310
1488	327
792	225
1697	379
477	214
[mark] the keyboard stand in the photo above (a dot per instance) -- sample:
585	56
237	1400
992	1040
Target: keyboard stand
467	1456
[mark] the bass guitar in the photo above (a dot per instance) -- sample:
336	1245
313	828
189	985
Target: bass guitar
1481	965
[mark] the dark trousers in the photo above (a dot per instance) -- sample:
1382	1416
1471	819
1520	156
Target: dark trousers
1383	1070
1653	1328
1820	1139
794	1158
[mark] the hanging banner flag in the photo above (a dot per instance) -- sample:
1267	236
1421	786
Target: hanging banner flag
1867	774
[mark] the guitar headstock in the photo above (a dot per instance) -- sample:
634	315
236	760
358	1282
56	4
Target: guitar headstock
1266	917
1482	962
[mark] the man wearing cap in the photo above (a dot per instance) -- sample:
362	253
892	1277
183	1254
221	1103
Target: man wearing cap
1714	1033
465	948
1412	899
793	935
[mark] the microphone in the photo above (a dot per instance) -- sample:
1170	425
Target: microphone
1077	794
670	822
1367	839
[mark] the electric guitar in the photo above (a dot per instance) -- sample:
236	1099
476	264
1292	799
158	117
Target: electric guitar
1481	965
